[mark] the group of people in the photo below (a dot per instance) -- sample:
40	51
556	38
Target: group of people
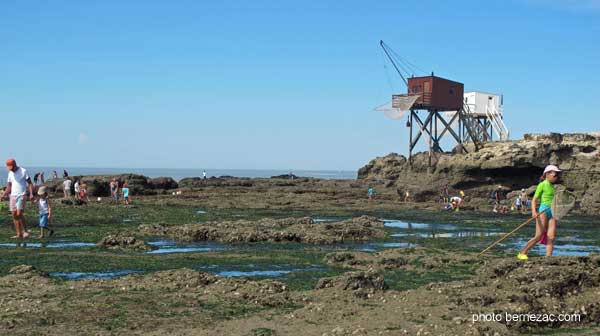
520	203
39	179
371	194
19	190
451	202
80	190
114	190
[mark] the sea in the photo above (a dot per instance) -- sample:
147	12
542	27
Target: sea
179	173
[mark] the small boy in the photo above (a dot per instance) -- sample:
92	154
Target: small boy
371	193
125	191
45	212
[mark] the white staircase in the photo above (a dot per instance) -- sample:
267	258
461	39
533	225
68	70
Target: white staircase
495	117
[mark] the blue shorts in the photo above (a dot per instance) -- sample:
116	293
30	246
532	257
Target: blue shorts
548	212
43	220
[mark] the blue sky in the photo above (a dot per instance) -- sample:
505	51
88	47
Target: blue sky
274	84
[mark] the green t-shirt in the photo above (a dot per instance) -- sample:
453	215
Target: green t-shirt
545	193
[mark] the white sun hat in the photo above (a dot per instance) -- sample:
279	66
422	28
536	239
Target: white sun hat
550	168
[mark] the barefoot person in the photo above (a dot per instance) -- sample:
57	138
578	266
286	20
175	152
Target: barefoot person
545	228
18	184
125	191
45	212
67	188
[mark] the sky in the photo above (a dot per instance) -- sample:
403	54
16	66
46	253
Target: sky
274	84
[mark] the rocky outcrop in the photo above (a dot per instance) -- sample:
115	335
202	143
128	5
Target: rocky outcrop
99	185
511	164
300	230
123	242
362	284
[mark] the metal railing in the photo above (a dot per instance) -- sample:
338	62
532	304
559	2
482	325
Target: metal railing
472	126
495	118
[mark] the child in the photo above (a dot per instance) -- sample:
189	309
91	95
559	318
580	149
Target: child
545	225
125	191
45	212
455	202
371	193
113	189
518	203
83	194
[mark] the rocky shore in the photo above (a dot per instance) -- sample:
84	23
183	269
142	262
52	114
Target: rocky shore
511	164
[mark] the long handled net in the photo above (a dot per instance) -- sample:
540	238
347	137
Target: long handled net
562	203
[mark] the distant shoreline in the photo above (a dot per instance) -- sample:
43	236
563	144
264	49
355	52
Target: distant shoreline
180	173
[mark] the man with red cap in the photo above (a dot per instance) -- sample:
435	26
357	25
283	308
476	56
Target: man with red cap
18	184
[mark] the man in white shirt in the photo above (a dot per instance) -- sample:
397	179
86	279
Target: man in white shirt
18	184
67	188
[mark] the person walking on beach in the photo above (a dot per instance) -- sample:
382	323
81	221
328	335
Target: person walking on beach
45	212
77	188
54	175
204	174
371	193
67	188
525	202
113	188
496	199
545	227
518	204
18	184
65	174
125	192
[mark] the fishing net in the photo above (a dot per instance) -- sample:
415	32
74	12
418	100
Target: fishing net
404	102
563	202
391	112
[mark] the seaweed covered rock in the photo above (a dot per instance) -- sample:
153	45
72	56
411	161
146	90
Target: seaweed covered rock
124	242
301	230
362	284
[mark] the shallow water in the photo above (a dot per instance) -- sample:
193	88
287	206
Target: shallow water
398	224
170	246
326	219
262	270
459	234
560	248
61	244
92	275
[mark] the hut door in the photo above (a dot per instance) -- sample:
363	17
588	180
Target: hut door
427	92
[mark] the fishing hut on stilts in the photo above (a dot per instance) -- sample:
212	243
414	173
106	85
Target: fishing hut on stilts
437	107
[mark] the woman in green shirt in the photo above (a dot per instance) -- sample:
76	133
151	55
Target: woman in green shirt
545	228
